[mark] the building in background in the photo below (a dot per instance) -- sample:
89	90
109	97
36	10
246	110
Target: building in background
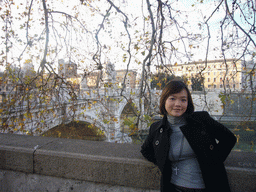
67	69
93	79
10	79
218	74
130	81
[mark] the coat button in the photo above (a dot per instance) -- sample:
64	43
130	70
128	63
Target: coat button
161	130
157	142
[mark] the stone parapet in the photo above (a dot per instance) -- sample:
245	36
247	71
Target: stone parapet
101	162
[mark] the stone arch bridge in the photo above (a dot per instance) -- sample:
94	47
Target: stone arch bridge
104	108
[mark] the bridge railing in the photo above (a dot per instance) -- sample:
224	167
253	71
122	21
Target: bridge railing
30	163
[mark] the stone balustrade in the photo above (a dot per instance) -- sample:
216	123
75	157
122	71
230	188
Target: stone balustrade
30	163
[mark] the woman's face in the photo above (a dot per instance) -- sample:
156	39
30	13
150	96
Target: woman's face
176	104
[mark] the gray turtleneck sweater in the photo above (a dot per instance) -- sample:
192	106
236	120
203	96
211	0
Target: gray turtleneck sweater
185	167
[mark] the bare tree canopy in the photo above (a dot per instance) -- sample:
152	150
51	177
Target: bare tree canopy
41	40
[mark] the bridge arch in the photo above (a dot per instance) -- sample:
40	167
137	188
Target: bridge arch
127	112
124	103
92	120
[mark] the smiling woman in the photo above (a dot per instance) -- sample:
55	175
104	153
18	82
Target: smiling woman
176	104
183	144
176	98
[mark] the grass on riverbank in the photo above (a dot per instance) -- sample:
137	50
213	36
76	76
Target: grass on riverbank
76	130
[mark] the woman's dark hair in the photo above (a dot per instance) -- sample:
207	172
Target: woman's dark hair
175	86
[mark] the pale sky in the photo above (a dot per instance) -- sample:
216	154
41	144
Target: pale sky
112	32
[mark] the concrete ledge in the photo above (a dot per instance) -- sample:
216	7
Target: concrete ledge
16	158
94	161
13	181
100	169
101	162
242	179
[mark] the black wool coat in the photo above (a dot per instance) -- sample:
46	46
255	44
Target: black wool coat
210	140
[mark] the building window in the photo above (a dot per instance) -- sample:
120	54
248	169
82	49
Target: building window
209	79
214	86
220	85
214	79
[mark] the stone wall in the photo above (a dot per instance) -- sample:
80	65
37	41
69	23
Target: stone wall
50	164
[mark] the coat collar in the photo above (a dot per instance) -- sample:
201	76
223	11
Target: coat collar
193	118
190	119
163	123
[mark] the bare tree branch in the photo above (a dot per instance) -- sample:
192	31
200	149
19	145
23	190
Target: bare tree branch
43	62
